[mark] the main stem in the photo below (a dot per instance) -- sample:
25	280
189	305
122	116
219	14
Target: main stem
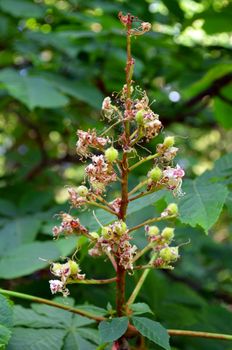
121	272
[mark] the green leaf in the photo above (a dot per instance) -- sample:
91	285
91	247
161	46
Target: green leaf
202	203
221	170
6	321
81	90
217	21
45	316
5	334
75	341
222	108
18	231
174	7
152	330
113	329
6	312
22	8
36	339
24	259
214	73
140	308
147	201
29	318
95	310
32	91
7	208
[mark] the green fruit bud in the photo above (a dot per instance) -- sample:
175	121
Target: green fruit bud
120	227
168	234
94	235
155	174
153	231
139	116
82	191
111	154
169	141
55	267
124	227
169	254
74	267
106	232
172	209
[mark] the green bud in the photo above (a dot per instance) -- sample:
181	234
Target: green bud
168	234
169	141
74	267
111	154
155	174
94	235
120	227
169	254
172	209
139	116
55	267
106	232
82	191
153	231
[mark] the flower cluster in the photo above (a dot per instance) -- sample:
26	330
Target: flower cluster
165	175
165	255
68	226
116	240
68	271
100	174
111	160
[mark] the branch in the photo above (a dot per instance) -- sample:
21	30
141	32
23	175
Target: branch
92	281
150	221
51	303
140	282
132	331
212	90
225	99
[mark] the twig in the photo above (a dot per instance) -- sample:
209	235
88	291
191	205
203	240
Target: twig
92	281
152	156
150	221
51	303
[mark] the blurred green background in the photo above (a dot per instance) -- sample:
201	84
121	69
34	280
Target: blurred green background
58	59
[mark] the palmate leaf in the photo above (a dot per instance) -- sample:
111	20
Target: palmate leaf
44	327
36	339
6	320
25	259
22	8
140	308
113	329
152	330
32	91
202	203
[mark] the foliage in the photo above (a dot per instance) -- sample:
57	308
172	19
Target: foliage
58	60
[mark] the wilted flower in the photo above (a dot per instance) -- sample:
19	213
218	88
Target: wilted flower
76	200
88	139
116	205
170	153
69	225
100	173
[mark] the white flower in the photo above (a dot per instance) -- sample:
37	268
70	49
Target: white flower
56	286
173	178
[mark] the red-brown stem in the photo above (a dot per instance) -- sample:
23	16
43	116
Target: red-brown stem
121	272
